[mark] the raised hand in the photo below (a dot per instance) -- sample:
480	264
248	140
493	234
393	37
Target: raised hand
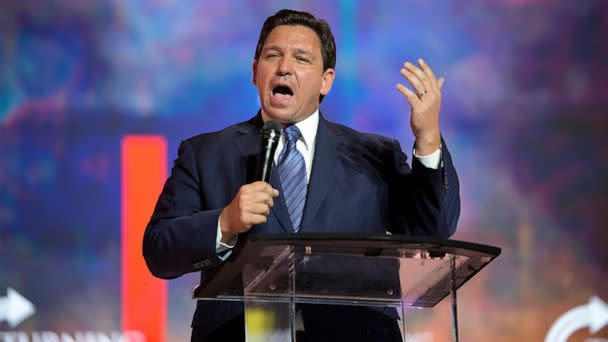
425	102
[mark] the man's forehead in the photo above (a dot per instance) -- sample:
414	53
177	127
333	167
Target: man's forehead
295	36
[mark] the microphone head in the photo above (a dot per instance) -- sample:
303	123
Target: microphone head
271	124
271	130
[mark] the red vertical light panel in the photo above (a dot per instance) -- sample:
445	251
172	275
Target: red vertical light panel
144	298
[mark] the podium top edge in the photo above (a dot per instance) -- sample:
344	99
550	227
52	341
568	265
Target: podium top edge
303	238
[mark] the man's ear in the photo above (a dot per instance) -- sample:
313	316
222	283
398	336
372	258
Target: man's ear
327	80
255	71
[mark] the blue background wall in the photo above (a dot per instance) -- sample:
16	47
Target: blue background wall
524	114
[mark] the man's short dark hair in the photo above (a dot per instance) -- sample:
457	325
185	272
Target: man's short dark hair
290	17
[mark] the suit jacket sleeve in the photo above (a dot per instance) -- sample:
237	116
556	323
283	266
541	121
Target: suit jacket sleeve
426	201
181	235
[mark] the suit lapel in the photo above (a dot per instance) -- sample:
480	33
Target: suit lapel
248	144
325	173
249	147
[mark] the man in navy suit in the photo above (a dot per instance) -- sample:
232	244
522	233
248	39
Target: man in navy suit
348	181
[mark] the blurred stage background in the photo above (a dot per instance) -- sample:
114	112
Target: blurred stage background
524	114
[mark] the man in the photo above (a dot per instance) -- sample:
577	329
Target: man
327	177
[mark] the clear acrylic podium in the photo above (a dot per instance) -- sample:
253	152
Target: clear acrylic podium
271	274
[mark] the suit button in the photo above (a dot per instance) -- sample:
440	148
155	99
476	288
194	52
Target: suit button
202	264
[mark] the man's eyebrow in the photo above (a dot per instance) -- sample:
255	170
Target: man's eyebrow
296	50
271	47
304	52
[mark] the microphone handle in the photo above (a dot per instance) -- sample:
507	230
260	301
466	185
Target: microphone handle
268	148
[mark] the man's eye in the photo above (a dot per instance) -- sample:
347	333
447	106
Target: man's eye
301	59
272	55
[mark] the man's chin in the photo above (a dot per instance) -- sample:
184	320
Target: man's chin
281	115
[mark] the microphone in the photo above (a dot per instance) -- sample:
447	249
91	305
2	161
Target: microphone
271	132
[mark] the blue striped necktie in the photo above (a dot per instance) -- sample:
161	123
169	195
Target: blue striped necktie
292	172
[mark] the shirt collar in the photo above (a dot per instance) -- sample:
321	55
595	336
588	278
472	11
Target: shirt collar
308	128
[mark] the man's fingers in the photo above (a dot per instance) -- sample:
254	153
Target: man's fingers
409	71
260	186
249	219
269	201
258	197
270	190
259	209
412	98
425	67
256	218
429	73
420	75
416	83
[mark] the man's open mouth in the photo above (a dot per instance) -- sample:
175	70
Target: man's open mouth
282	90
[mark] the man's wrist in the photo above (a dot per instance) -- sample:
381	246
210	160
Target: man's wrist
226	237
427	144
226	234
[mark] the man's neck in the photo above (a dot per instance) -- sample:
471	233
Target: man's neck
265	118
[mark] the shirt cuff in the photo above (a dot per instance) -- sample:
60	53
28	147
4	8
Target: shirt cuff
223	249
431	161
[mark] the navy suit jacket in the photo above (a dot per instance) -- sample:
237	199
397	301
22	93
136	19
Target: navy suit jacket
359	183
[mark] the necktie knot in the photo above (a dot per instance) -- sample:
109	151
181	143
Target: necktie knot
292	134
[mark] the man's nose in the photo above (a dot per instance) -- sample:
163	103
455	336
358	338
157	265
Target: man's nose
285	67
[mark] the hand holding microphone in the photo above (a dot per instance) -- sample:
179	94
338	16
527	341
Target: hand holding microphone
252	203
